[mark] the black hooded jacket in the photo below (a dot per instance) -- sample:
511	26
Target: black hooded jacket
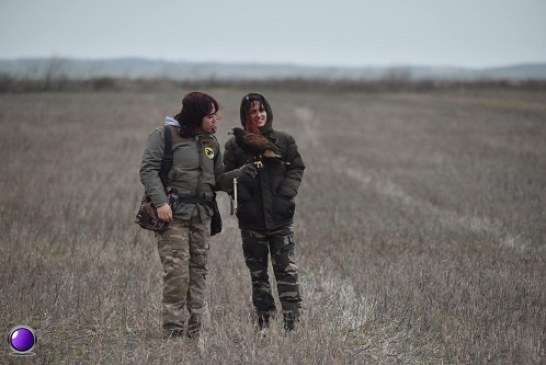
267	202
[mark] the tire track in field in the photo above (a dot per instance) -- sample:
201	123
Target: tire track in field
358	308
447	218
388	188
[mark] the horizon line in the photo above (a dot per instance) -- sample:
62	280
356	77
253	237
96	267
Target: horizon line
273	63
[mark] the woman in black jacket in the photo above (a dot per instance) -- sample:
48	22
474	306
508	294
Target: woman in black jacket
266	211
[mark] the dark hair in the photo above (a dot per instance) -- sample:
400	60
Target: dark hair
246	104
248	100
195	106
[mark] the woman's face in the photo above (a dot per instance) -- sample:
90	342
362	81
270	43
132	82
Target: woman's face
208	124
257	116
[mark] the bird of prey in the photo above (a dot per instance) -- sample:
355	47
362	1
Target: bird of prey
256	146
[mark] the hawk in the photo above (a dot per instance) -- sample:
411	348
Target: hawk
256	146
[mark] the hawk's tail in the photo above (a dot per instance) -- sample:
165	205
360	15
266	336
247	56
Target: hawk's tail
276	156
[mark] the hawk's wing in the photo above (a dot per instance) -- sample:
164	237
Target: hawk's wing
260	143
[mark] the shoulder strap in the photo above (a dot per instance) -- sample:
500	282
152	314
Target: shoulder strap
167	161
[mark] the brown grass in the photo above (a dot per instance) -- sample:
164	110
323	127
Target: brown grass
420	231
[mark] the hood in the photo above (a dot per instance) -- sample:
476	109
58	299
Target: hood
171	121
268	127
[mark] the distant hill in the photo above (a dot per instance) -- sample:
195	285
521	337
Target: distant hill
39	68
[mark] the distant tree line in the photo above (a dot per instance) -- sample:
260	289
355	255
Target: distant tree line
396	82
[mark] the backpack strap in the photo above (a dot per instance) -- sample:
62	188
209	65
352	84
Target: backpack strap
167	160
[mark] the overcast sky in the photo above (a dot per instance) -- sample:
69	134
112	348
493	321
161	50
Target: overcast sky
469	33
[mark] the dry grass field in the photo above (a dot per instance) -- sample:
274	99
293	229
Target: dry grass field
420	230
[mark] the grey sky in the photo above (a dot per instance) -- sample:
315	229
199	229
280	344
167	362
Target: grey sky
471	33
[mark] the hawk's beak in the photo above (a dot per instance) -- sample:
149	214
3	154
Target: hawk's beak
230	132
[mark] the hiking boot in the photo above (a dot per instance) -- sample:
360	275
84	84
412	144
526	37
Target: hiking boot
263	321
290	320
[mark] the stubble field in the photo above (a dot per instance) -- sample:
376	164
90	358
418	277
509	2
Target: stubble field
420	231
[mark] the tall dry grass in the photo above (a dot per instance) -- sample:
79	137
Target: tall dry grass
420	231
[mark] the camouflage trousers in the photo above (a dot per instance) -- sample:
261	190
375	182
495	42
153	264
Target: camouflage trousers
257	247
183	251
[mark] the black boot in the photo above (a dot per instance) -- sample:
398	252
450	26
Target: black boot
263	320
290	320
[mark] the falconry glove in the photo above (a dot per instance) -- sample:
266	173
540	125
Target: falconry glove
247	172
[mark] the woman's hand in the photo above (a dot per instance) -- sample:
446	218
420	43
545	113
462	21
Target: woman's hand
248	172
165	213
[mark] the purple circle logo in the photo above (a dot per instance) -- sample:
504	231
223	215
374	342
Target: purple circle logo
22	340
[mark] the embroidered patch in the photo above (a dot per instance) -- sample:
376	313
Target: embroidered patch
209	152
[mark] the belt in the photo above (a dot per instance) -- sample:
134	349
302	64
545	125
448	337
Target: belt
195	200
